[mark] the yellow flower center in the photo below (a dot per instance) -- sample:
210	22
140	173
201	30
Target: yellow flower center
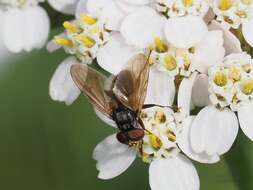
87	41
188	3
247	2
220	79
71	27
155	142
160	45
247	86
88	20
170	62
225	4
234	73
63	41
160	117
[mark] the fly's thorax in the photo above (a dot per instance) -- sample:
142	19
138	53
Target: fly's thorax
161	129
231	84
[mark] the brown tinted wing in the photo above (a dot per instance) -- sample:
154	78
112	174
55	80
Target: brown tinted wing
94	85
131	83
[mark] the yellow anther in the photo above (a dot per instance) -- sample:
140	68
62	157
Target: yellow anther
88	20
94	30
145	157
225	4
247	86
171	136
170	62
71	27
188	3
220	79
234	73
155	142
160	45
187	62
63	41
160	117
247	2
241	14
247	68
87	41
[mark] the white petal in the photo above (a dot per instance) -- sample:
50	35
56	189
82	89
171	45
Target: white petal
81	8
161	89
213	131
184	94
94	6
184	144
174	173
200	94
115	54
64	6
209	16
245	116
209	51
105	119
113	16
126	7
185	32
112	157
142	26
62	88
25	29
139	2
231	42
247	30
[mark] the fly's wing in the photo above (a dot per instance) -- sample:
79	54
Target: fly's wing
95	86
130	86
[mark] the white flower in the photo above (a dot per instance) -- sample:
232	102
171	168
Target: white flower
64	6
231	90
25	25
62	87
159	149
235	13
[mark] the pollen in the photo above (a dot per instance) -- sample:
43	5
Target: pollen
247	2
160	45
247	86
220	79
170	62
160	117
155	142
188	3
88	20
225	4
87	41
234	73
63	41
71	27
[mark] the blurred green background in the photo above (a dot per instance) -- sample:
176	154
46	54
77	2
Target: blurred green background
46	145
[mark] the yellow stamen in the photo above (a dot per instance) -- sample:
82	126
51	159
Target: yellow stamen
87	41
171	136
225	4
71	27
188	3
63	41
170	62
88	20
234	73
247	2
160	45
94	30
160	117
155	142
187	62
241	14
220	79
247	87
247	68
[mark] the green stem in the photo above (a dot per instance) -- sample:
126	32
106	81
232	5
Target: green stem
239	161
